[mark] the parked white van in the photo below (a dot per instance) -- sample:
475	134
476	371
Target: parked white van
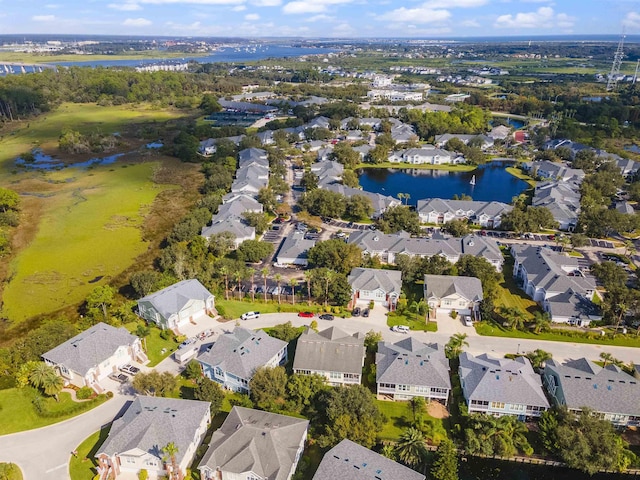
249	315
400	329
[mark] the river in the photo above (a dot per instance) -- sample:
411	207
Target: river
492	182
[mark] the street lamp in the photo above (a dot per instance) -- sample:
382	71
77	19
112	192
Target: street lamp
518	351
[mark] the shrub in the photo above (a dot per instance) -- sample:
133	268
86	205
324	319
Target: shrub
166	334
109	394
84	393
453	314
143	474
221	311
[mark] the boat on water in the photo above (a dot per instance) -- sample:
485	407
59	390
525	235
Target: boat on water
473	180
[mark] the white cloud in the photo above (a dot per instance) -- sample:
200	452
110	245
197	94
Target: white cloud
43	18
239	8
136	22
544	17
470	24
266	3
125	7
417	15
252	17
632	20
434	4
195	2
305	6
343	29
320	18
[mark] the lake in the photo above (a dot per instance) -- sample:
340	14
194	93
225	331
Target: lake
493	182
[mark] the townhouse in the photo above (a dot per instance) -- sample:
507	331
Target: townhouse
440	211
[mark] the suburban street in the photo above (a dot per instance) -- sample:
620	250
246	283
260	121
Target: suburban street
44	453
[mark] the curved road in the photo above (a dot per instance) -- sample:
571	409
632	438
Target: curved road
44	453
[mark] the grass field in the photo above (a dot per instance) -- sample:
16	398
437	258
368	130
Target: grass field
45	130
234	308
89	232
18	413
10	471
83	466
410	320
516	172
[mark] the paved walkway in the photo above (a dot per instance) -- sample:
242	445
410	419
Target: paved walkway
44	453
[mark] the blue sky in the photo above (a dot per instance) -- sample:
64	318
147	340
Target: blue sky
326	18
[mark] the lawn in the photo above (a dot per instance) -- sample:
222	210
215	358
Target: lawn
494	330
83	466
89	233
511	295
425	166
45	130
234	308
395	318
18	413
518	173
10	471
399	417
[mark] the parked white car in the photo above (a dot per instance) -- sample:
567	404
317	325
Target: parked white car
249	315
400	329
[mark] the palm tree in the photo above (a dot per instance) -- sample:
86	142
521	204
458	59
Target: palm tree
538	357
629	248
170	451
607	358
453	348
52	385
238	276
327	276
252	273
389	451
541	321
293	283
265	274
513	316
224	271
278	279
308	275
39	374
410	448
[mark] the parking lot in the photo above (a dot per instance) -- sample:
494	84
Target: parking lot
348	225
601	243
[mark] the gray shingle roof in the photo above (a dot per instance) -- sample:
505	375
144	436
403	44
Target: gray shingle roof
440	286
472	208
295	246
255	441
585	384
411	362
172	299
90	348
501	380
350	461
233	225
150	423
331	350
370	279
242	351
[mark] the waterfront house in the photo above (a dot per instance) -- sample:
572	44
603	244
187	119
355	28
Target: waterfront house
348	460
332	353
90	357
410	368
372	284
136	440
177	305
501	386
609	392
484	141
440	211
235	356
254	445
562	199
446	293
553	171
379	202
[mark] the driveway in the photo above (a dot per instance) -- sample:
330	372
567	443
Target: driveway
44	453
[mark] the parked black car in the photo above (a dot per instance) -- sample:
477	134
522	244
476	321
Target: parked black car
365	312
326	316
356	312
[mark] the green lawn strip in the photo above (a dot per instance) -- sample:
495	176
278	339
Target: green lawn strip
518	173
619	340
234	308
83	465
399	417
423	166
44	131
10	471
19	414
511	295
410	320
89	233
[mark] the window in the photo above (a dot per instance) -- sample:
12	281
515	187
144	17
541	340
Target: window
391	386
439	390
218	372
403	388
498	405
517	408
304	372
352	376
462	303
422	389
446	303
335	375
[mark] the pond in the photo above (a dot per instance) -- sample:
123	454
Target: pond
492	182
42	161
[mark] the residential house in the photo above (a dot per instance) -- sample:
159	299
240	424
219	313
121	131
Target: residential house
627	167
608	391
233	225
332	353
348	460
239	205
562	199
553	171
363	151
380	203
402	132
318	122
426	155
501	386
328	171
441	211
207	147
136	440
625	207
294	250
248	185
501	132
484	141
325	153
235	356
388	246
557	283
447	293
266	137
91	356
246	107
373	284
177	305
410	368
250	156
254	445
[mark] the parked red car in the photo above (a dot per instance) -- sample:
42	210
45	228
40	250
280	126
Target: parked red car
305	314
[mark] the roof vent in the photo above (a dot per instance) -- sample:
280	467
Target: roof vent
595	386
609	387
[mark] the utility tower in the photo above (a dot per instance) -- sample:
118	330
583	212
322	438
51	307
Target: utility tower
612	82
